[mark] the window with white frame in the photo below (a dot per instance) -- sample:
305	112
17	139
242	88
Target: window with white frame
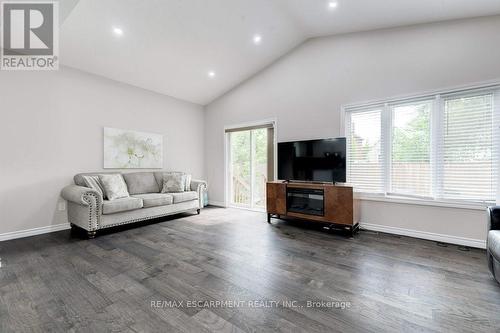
439	147
410	148
365	149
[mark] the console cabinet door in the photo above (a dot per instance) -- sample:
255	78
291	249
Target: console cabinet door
339	205
276	198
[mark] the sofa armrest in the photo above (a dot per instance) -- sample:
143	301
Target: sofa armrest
84	206
199	186
494	218
79	194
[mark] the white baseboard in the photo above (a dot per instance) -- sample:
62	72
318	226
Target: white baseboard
217	203
477	243
33	232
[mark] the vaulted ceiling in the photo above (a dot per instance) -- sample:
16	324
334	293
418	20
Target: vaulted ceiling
171	46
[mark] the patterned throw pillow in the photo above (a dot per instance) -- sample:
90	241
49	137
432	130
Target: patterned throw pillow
188	178
174	182
114	186
94	183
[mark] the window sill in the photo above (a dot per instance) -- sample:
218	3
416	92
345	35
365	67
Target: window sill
423	202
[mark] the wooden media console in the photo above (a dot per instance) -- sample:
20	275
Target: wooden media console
325	203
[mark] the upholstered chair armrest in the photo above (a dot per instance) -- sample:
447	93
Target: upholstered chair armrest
84	206
199	186
494	218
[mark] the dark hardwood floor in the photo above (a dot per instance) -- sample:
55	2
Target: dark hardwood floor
122	281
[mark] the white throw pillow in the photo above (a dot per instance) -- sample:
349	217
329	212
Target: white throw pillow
174	182
188	182
188	178
94	183
114	186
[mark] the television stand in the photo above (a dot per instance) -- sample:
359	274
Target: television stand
326	203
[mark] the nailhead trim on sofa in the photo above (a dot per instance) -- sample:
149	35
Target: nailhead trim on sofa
98	204
147	218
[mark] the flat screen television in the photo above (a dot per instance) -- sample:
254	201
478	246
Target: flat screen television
313	160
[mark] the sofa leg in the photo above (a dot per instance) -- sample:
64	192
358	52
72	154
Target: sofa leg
198	211
91	234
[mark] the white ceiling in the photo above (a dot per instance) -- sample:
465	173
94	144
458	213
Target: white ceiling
169	46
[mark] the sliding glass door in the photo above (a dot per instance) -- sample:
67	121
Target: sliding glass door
240	168
249	165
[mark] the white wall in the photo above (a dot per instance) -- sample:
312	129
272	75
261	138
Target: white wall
51	128
305	91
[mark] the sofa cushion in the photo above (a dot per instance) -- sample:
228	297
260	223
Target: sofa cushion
493	243
155	199
184	196
141	182
121	205
114	186
159	178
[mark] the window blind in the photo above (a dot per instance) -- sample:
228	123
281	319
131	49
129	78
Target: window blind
468	162
411	149
437	146
364	150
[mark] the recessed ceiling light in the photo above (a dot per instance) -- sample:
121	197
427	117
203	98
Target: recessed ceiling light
332	5
257	39
117	31
211	74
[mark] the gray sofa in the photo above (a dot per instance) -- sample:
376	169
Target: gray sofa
493	241
88	210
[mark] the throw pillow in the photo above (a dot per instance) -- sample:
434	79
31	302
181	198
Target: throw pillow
174	182
188	182
94	183
114	186
188	178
